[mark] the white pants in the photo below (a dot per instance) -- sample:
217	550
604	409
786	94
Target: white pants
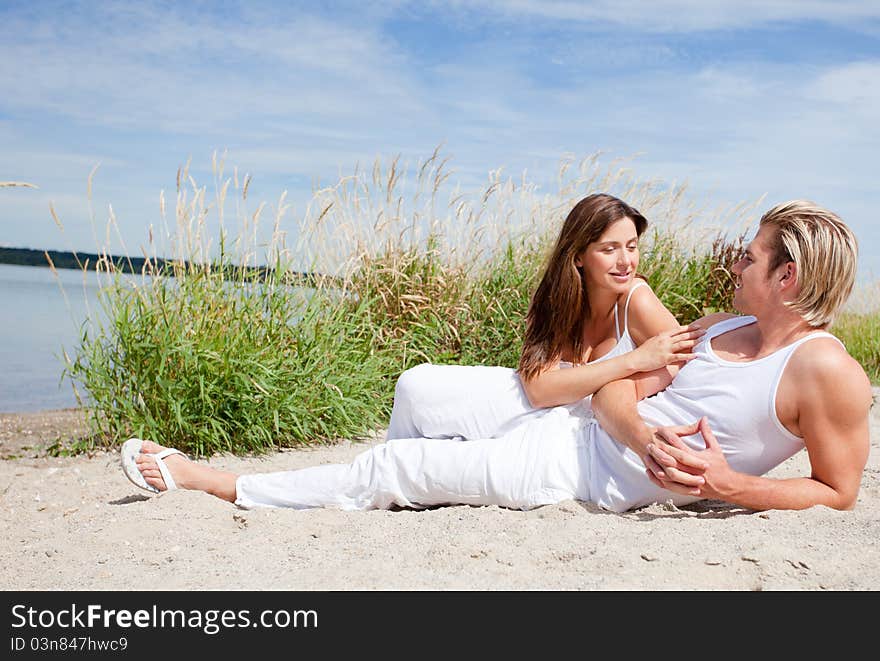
458	401
542	461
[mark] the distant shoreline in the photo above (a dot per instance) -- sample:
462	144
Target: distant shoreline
61	259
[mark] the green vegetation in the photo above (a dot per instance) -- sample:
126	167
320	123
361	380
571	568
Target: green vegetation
860	332
214	354
225	368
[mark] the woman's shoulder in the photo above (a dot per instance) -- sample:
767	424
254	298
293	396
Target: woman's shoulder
645	314
639	297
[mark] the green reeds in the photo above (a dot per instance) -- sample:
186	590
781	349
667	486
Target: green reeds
860	333
241	366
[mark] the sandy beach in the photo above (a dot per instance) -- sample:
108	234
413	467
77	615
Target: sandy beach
76	523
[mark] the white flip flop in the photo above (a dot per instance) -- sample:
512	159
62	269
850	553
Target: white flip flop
130	451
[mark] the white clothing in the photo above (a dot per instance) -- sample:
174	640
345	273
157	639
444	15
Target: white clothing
560	455
739	400
472	402
542	461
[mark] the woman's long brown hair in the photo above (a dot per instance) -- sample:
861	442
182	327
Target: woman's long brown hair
560	307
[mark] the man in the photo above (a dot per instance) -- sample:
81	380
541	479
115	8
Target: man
760	388
795	275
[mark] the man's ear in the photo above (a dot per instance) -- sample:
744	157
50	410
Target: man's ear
788	274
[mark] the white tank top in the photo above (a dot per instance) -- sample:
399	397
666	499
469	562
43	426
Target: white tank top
739	400
625	342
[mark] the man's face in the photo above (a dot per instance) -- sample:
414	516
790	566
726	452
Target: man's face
754	285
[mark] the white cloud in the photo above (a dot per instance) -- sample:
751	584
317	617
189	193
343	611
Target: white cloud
854	86
34	164
144	67
682	16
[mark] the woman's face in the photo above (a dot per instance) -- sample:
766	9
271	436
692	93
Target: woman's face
611	261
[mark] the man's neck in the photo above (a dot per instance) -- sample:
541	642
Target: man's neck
771	333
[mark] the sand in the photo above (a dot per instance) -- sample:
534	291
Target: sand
76	523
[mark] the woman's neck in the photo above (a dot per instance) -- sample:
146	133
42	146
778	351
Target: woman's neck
602	302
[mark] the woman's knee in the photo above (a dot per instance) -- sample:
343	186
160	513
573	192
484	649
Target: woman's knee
412	383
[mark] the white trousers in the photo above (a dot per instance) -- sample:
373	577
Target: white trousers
542	461
458	401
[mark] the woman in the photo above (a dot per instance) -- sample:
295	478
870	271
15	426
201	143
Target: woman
591	321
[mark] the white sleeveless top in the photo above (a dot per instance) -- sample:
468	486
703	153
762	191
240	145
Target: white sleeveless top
625	343
739	400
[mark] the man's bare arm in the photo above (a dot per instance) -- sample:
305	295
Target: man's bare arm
831	398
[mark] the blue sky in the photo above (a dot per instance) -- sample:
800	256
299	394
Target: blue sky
739	99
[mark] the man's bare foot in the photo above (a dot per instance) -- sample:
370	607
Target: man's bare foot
185	473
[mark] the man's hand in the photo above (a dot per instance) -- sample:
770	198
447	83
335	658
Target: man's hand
674	466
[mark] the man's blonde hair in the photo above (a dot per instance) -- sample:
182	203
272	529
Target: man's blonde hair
825	252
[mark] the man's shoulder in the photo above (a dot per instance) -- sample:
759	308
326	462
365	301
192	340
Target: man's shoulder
823	367
824	353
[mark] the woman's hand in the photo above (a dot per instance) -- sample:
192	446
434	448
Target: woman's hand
672	346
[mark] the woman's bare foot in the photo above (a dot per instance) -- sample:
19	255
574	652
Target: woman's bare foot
186	474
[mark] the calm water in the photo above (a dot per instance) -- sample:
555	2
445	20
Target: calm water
37	322
39	319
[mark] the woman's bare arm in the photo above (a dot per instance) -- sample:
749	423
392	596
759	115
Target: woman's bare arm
662	341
